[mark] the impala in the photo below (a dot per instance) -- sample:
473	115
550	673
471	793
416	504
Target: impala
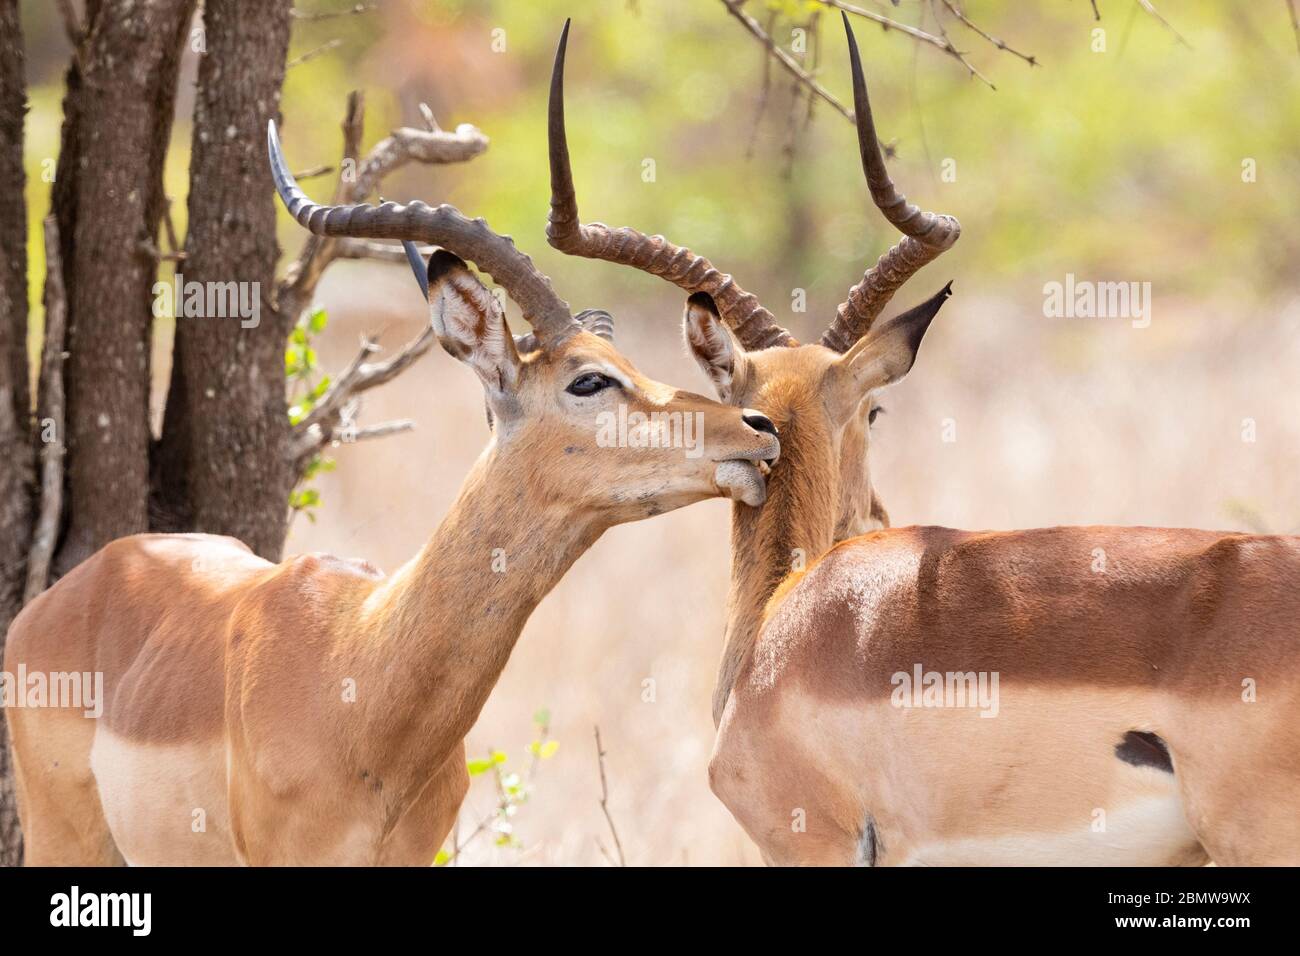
313	712
1143	684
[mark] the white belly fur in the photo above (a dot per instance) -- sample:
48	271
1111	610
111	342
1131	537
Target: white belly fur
1150	831
166	804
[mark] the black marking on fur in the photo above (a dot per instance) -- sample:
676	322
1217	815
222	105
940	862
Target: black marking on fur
1143	749
870	848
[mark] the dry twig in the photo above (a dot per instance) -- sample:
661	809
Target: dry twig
604	804
332	14
786	61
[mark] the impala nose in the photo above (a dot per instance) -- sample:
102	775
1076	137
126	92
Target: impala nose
758	421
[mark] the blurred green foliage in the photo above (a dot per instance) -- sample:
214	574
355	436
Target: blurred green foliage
307	384
512	789
1118	164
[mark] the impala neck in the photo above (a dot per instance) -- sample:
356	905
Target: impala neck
794	527
439	632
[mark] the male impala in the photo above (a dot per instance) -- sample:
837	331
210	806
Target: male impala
313	712
1142	686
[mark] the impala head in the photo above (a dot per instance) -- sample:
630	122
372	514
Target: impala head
570	414
820	396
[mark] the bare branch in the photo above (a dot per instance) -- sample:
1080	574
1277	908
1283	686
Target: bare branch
957	12
313	172
360	376
604	802
764	90
152	252
349	433
786	61
941	43
359	178
943	35
430	123
1149	8
312	54
50	416
350	248
332	14
407	145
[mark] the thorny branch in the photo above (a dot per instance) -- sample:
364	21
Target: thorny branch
941	42
957	12
786	61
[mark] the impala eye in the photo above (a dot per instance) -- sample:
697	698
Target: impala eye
871	415
589	383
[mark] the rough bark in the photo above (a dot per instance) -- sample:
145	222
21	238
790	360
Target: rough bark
15	401
118	116
223	461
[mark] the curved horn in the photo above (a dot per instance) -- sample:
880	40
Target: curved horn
925	234
439	225
754	325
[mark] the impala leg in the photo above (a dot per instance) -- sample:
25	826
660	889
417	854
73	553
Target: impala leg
58	801
420	833
1246	818
1241	778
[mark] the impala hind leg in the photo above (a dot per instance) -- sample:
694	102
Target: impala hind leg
59	809
1258	828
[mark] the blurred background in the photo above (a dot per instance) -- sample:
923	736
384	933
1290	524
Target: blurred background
1156	159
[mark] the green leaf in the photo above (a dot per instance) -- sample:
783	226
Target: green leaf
476	767
542	718
442	859
317	320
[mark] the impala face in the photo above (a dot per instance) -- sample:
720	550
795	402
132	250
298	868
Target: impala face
608	437
823	402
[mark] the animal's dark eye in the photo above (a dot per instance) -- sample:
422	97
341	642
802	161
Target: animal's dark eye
589	383
871	415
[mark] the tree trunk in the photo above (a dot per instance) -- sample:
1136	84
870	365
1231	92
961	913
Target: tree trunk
118	116
223	461
15	401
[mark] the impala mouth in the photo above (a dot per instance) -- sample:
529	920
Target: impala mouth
743	480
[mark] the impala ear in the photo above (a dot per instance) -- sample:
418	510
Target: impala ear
470	325
712	344
886	353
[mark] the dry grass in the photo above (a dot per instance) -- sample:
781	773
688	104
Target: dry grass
1058	422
